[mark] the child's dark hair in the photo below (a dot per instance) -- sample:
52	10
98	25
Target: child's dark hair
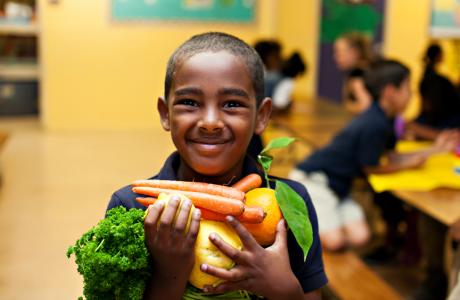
215	42
383	73
432	55
293	66
265	48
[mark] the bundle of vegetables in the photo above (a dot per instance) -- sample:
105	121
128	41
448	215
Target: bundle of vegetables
114	260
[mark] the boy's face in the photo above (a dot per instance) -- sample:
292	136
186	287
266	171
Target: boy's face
401	96
211	113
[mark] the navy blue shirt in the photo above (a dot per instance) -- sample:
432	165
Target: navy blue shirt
310	273
358	145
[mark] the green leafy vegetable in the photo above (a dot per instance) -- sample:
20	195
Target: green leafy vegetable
295	213
294	210
113	258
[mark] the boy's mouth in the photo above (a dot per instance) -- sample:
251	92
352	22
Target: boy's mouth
209	146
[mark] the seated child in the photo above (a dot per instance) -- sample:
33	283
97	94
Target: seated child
356	151
214	102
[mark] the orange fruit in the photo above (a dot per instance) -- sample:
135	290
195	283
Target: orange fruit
264	232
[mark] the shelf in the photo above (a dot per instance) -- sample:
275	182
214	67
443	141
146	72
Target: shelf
19	71
22	29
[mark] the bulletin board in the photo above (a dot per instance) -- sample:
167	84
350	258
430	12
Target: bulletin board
445	19
184	10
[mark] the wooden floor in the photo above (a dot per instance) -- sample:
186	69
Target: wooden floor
55	186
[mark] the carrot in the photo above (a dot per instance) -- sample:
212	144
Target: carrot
251	214
146	201
219	204
248	183
201	187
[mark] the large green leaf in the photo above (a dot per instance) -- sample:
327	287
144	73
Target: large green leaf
280	142
295	213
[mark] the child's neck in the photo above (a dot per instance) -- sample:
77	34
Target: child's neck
186	173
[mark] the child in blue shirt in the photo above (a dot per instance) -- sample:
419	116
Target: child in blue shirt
356	151
214	102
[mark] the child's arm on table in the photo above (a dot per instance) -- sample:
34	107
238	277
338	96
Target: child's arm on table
265	272
445	142
171	248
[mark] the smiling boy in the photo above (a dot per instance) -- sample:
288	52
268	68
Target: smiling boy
214	103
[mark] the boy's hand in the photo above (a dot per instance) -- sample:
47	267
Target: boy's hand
412	161
447	141
168	242
265	272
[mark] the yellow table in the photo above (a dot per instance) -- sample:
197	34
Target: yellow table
434	188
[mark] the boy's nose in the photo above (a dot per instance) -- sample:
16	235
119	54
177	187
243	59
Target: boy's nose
210	121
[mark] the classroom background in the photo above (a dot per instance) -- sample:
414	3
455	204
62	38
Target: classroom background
79	81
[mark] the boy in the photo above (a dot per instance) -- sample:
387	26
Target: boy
356	151
214	102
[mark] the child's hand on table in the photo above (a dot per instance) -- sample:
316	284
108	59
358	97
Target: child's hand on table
265	272
447	140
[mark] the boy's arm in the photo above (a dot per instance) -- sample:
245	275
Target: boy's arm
445	142
397	162
422	131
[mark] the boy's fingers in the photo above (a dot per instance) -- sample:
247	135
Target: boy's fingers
168	215
235	254
232	275
151	220
182	218
281	235
246	238
194	228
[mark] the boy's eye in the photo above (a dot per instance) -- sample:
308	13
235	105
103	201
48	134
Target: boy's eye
232	104
187	102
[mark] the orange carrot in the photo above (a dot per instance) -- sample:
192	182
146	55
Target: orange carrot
251	214
210	215
219	204
201	187
248	183
146	201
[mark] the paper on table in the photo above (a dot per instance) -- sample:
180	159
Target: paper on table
438	171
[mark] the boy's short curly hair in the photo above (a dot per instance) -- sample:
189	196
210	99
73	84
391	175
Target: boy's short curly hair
382	73
215	42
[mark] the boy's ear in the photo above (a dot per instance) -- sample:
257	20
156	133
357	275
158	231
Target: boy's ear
263	115
162	107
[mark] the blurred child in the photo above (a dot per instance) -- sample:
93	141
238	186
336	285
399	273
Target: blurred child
353	50
214	102
440	100
357	151
353	53
270	53
282	94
